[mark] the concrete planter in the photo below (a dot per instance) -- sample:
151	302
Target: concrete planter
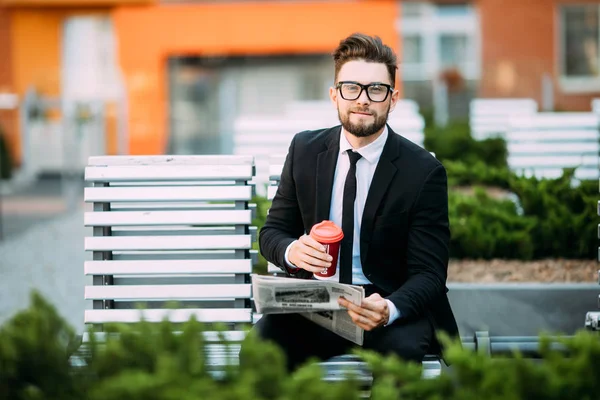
522	309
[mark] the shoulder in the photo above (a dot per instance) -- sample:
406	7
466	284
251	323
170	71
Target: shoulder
316	140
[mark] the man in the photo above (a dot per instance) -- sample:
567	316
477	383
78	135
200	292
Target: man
390	198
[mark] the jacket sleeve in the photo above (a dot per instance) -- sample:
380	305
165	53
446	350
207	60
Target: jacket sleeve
428	248
284	222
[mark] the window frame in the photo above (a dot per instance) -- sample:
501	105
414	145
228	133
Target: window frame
573	84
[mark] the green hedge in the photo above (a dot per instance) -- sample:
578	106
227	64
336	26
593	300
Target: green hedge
455	143
149	362
551	218
482	227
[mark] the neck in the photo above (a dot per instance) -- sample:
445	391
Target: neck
358	142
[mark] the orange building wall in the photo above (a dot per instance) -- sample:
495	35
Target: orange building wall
147	36
36	43
519	44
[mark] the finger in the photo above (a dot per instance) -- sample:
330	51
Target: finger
370	315
317	262
374	297
309	267
311	242
361	321
316	253
377	306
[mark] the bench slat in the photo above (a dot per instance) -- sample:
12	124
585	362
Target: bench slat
168	173
176	316
145	218
172	267
576	148
131	243
167	193
275	171
209	336
553	173
171	206
169	160
552	135
552	120
168	292
516	161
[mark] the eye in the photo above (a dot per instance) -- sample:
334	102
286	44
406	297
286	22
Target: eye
377	89
350	88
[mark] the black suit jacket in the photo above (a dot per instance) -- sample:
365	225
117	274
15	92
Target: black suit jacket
405	231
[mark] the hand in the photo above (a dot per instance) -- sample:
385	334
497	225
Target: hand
371	314
308	254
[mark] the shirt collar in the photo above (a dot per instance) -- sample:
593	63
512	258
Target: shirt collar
370	152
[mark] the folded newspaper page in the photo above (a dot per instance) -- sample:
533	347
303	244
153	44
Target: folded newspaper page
316	300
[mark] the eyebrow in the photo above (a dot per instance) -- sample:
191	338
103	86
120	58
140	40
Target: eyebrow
370	83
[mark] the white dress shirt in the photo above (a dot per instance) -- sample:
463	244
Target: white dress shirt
365	169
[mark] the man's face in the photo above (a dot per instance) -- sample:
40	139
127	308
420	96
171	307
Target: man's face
363	117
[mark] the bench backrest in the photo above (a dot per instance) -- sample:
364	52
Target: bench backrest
544	143
489	117
169	228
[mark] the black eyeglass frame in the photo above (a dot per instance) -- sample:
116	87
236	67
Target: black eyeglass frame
390	89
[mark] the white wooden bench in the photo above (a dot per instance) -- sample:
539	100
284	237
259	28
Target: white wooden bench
542	144
489	117
170	228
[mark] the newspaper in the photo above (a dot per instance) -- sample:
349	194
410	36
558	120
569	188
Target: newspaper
316	300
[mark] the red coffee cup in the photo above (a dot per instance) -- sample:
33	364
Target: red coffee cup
330	236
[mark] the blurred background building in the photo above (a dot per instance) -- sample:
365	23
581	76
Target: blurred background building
174	76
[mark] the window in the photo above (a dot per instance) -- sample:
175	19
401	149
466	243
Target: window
412	49
448	10
453	50
580	33
436	37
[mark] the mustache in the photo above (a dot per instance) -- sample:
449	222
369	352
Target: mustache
358	110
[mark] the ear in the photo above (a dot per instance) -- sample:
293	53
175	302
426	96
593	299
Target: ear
395	98
333	94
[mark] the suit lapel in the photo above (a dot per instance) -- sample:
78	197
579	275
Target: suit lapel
384	173
326	162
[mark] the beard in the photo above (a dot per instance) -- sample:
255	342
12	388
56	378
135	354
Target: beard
363	128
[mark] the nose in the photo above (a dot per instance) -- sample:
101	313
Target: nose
363	98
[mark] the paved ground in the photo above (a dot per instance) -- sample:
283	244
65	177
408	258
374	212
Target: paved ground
41	248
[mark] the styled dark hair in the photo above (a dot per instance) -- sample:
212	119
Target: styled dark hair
359	46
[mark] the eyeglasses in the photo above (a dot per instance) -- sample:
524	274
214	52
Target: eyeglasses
376	92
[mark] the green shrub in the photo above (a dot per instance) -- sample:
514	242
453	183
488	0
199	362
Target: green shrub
150	362
566	215
463	174
5	158
455	143
562	217
483	227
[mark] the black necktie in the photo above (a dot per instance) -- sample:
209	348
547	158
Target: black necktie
348	219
